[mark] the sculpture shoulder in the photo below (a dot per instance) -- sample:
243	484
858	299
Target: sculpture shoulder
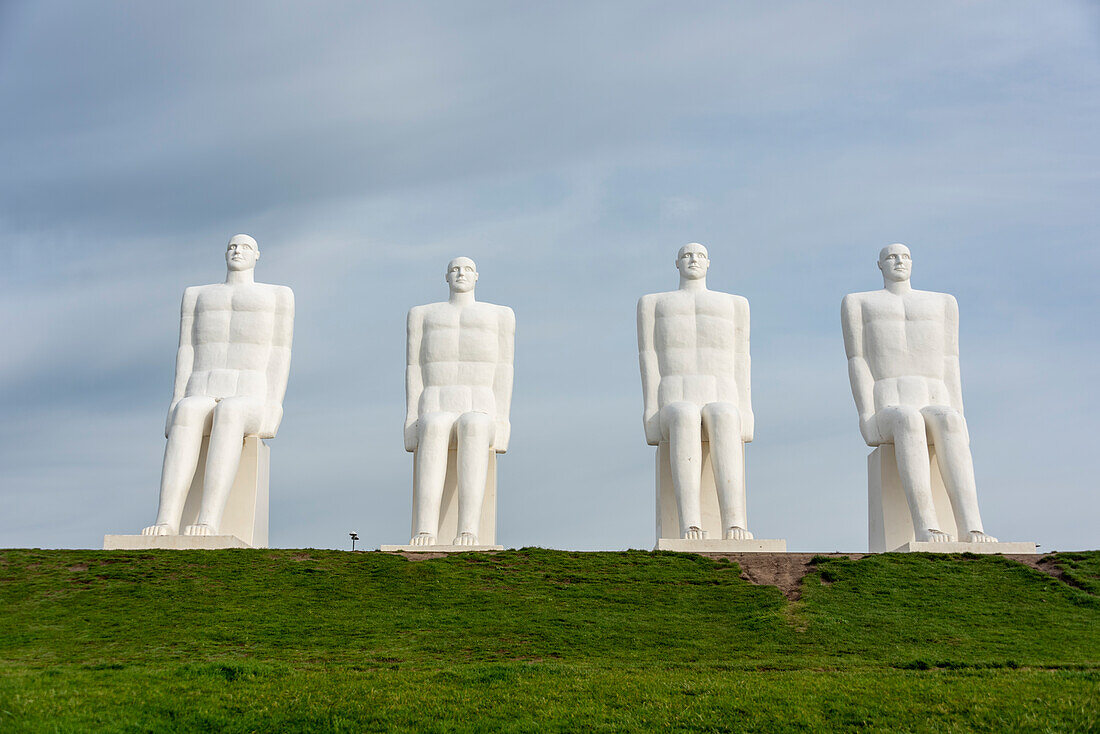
192	292
738	302
417	313
284	296
650	300
506	315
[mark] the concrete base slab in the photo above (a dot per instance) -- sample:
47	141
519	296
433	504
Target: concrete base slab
439	548
917	547
172	542
717	545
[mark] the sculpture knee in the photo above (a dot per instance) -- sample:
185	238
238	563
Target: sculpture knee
679	415
948	420
907	422
722	418
475	426
192	412
435	428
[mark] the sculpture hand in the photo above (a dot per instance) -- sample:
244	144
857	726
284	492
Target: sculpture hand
273	416
410	437
502	437
171	414
869	428
748	427
653	429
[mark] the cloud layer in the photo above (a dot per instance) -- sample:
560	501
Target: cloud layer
570	149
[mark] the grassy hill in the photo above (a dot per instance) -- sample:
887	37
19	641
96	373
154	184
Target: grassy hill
283	640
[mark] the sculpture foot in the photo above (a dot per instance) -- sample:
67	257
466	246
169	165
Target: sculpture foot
694	533
977	536
161	528
935	536
199	529
422	539
465	539
736	533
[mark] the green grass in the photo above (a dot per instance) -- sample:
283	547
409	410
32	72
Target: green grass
266	640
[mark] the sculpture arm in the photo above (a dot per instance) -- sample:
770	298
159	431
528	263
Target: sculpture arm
951	374
278	361
414	383
743	372
185	354
651	374
859	372
502	380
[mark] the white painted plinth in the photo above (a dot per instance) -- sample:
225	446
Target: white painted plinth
915	547
889	521
718	545
448	507
171	542
668	511
440	548
246	510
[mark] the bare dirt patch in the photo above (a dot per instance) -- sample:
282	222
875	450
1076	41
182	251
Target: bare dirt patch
783	570
78	567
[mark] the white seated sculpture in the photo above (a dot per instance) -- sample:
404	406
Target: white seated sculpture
458	388
693	346
231	375
903	363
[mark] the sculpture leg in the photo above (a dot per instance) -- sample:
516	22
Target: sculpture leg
181	455
952	441
681	424
433	441
907	428
234	418
722	422
474	434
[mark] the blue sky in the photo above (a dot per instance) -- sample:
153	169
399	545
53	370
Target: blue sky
570	149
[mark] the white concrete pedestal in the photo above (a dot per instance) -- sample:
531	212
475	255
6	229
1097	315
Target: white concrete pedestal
172	542
719	545
987	548
244	524
448	512
890	523
439	548
668	514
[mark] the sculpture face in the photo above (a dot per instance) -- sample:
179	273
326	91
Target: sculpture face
242	252
692	261
461	275
896	263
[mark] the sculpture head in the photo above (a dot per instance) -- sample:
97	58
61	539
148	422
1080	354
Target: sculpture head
895	262
241	253
461	275
692	261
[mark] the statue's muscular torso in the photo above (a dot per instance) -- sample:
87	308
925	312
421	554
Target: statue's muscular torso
458	358
905	343
695	338
233	334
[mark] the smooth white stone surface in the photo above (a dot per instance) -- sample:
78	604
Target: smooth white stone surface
232	368
708	545
889	522
448	506
172	542
439	548
246	510
668	511
693	349
903	364
987	548
458	390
